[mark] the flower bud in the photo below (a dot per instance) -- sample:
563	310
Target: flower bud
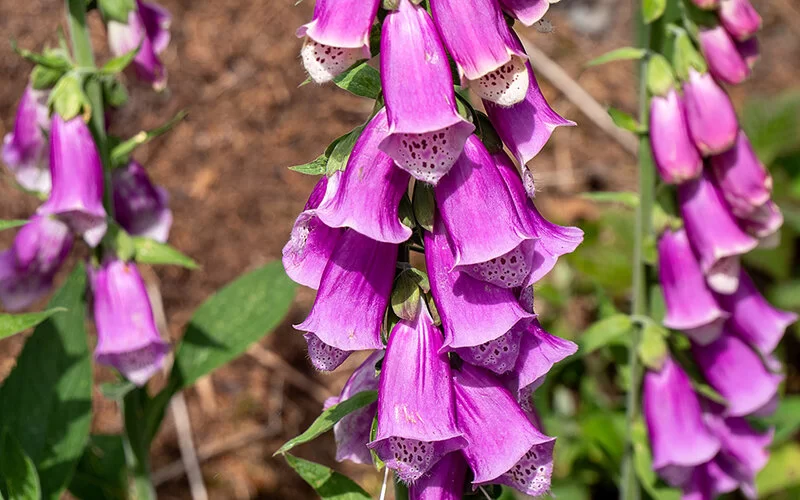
25	147
723	57
675	155
742	178
527	11
740	18
140	207
147	28
749	50
712	120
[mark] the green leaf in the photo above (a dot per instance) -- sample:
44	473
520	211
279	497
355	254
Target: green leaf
653	349
626	198
116	10
781	472
121	152
114	92
117	390
329	417
342	150
227	323
50	59
653	10
68	98
18	477
10	224
611	330
626	121
786	295
119	63
46	400
360	79
786	419
405	297
149	251
11	324
329	484
101	473
316	167
621	54
43	78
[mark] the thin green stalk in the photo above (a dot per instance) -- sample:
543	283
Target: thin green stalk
137	446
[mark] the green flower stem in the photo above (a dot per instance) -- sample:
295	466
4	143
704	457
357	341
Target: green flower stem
137	445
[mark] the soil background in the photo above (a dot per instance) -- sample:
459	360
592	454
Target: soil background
234	66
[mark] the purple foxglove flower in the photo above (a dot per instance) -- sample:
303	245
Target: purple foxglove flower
679	436
311	244
426	133
742	178
324	357
488	57
750	51
353	294
416	407
148	26
25	147
739	18
445	480
522	459
28	267
707	482
675	155
352	432
527	11
706	4
724	60
368	196
734	370
499	355
127	337
717	239
472	312
690	305
527	126
140	207
765	224
709	112
77	194
753	318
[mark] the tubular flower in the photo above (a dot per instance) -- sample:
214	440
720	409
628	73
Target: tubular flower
416	408
127	337
25	147
764	223
77	194
527	11
140	207
336	37
147	29
445	480
675	155
742	178
749	50
709	112
27	268
724	60
739	18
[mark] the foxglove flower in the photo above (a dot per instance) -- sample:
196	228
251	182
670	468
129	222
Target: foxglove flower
527	11
445	480
311	244
127	337
522	459
739	18
498	355
486	53
675	155
337	36
724	60
707	482
25	147
368	195
416	407
713	232
764	223
734	370
27	268
753	318
679	437
749	50
353	430
352	298
140	207
472	312
426	134
709	112
742	178
148	29
77	194
690	305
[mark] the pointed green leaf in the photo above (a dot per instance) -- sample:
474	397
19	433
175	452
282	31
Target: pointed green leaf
149	251
329	417
10	224
341	152
122	151
360	79
621	54
653	10
12	324
119	63
612	330
101	473
626	121
329	484
653	349
18	477
50	59
316	167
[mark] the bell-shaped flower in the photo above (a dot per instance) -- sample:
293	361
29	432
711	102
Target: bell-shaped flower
487	56
337	36
737	372
352	432
27	268
426	133
353	294
367	198
753	318
499	355
526	11
690	306
311	243
710	114
675	155
750	51
473	312
140	207
679	436
742	178
717	239
416	406
445	480
740	18
147	28
764	223
25	147
522	459
77	194
127	337
723	57
707	482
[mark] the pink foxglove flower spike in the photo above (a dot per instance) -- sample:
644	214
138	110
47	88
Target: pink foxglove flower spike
675	155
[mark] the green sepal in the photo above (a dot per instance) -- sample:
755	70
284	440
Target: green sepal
114	92
424	205
406	212
53	59
44	78
686	56
653	349
406	295
487	134
626	121
116	10
660	77
68	98
119	242
652	10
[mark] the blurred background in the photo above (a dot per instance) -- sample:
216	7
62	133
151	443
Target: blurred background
234	66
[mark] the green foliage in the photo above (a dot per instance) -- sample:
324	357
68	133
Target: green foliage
149	251
329	484
120	153
360	79
342	150
626	121
782	471
621	54
116	10
11	324
18	478
101	473
653	10
119	63
10	224
612	330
